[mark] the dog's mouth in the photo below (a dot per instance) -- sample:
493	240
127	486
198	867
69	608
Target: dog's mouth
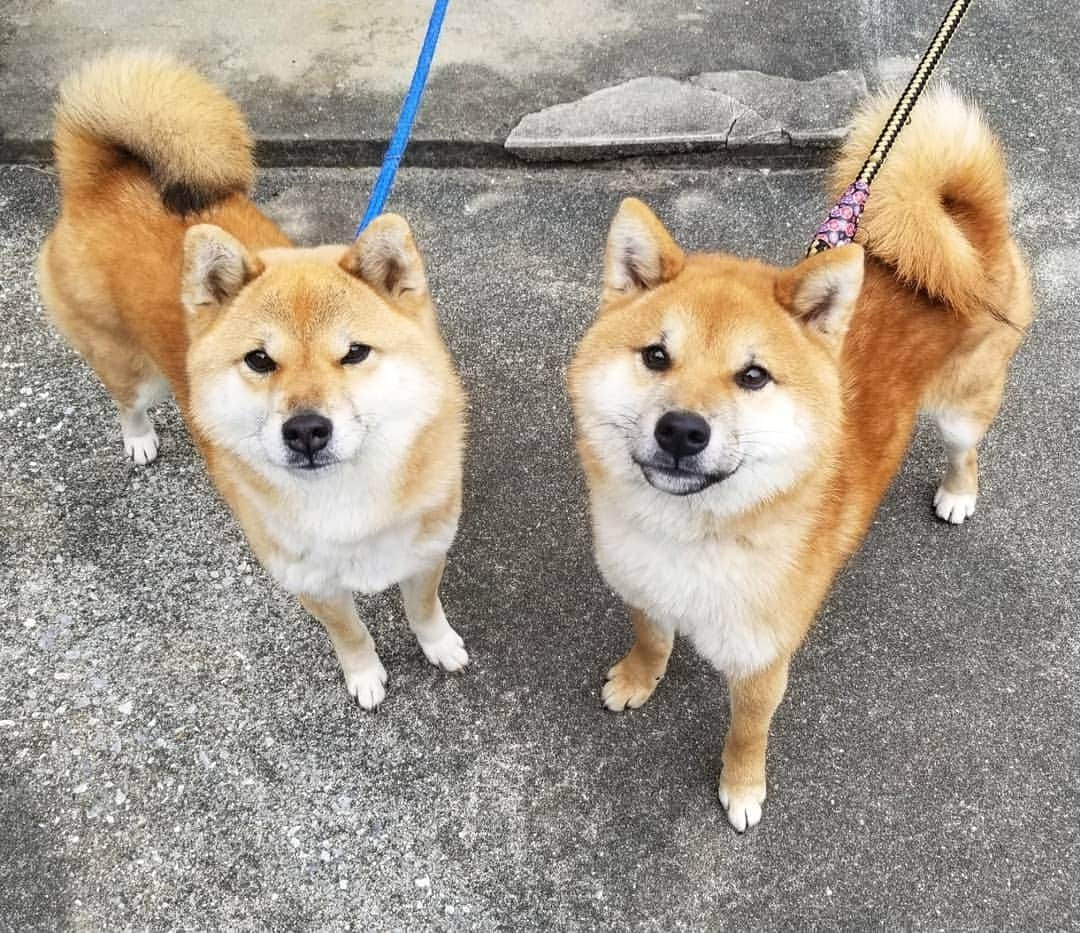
679	480
310	464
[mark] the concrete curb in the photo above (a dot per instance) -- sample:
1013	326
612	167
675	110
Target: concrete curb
452	153
306	151
747	116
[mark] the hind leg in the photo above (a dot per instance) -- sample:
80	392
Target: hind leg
129	375
965	396
963	402
961	432
135	384
140	438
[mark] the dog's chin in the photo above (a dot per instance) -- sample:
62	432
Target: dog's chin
679	482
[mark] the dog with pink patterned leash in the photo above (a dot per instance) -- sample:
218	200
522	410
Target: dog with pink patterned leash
739	422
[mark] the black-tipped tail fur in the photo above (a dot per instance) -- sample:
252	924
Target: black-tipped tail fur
192	140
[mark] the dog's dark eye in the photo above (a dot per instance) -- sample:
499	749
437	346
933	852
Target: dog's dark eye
753	378
656	357
358	352
258	361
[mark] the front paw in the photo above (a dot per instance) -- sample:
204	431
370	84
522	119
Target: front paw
366	682
446	650
628	685
743	803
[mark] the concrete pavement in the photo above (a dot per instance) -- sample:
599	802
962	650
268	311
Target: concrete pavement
327	70
322	80
176	749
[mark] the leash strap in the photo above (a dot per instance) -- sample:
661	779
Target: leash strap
396	150
843	221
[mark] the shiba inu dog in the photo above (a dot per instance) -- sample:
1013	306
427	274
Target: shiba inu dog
315	382
738	423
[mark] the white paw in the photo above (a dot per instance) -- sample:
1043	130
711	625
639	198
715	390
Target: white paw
141	449
446	650
366	682
743	805
954	507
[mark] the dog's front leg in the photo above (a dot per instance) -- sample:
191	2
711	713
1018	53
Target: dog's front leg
754	699
632	681
441	645
365	677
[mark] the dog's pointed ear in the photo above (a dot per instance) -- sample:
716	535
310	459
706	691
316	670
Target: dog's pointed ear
216	266
821	291
385	256
640	253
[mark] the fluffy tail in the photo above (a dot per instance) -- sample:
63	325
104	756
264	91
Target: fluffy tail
145	106
938	209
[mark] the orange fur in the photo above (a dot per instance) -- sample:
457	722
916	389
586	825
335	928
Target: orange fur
854	349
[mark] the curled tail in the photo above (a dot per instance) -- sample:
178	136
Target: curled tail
146	106
938	210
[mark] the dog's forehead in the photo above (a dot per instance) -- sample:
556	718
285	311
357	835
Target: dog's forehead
326	254
722	281
716	298
303	297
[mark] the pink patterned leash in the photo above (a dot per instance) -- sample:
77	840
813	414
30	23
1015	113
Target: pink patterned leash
842	223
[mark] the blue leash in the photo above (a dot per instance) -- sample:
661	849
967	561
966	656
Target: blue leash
411	104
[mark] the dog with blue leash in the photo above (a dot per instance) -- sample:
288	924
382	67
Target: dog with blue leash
315	381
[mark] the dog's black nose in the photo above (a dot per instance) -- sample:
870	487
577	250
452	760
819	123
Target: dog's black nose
682	433
307	433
